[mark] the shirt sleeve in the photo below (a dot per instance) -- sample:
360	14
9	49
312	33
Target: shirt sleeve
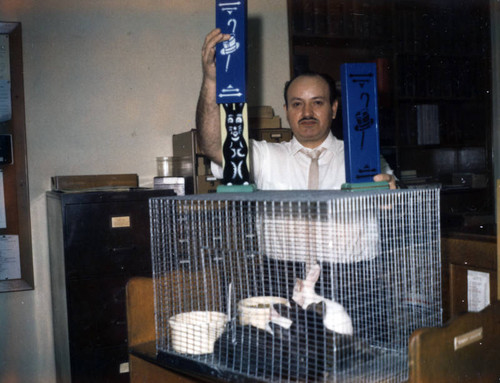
217	170
256	154
384	167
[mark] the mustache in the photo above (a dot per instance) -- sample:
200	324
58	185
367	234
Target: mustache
308	119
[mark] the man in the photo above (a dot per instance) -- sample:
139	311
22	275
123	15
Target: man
310	106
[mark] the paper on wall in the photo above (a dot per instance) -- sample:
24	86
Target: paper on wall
5	94
10	266
3	219
478	290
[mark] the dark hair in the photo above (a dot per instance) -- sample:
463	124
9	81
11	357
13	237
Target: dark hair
327	78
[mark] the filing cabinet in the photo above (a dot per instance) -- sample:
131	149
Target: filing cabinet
97	242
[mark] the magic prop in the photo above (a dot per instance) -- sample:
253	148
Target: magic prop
360	119
231	18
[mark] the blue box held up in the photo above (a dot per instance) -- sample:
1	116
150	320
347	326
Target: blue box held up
360	121
231	18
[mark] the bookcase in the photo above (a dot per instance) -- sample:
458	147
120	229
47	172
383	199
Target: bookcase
434	85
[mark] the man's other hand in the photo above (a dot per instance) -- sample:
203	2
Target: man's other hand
387	178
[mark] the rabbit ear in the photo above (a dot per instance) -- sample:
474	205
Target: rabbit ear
314	273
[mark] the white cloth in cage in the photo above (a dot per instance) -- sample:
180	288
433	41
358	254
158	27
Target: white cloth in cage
310	241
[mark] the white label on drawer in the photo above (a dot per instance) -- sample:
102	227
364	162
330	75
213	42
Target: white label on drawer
120	221
124	368
478	290
468	338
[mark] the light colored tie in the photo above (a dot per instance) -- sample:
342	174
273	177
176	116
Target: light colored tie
313	179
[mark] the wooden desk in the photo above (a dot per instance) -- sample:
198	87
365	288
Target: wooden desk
432	356
144	366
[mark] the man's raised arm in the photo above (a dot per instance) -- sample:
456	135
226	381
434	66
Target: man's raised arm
207	110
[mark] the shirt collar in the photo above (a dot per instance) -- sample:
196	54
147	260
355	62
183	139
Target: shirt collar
329	144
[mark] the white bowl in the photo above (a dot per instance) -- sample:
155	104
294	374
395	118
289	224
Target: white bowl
256	311
195	332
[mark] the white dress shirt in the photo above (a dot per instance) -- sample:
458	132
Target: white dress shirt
281	166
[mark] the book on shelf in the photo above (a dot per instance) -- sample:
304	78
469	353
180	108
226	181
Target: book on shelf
428	124
319	17
426	185
411	180
334	18
308	16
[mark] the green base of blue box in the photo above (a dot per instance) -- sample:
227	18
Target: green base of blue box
236	188
365	186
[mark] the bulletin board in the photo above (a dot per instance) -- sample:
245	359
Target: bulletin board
498	236
16	261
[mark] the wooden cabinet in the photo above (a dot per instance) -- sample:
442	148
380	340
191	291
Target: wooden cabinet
463	253
97	242
186	145
432	353
434	84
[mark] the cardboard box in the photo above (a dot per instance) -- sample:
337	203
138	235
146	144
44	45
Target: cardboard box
262	111
271	135
264	123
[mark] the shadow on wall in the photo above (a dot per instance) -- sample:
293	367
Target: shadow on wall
254	61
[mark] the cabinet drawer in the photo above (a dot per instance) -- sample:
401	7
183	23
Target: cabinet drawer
107	238
96	313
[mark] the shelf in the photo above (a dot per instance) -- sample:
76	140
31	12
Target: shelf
440	99
442	146
308	40
436	78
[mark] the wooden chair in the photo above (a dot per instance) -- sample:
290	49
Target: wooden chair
466	350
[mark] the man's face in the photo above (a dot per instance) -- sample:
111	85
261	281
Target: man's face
309	112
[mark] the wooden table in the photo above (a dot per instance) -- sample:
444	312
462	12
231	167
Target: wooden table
432	353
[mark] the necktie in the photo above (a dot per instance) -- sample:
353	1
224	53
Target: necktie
313	179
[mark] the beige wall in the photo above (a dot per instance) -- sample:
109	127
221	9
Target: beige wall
107	83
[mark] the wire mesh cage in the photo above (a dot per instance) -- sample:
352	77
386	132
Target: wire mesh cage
295	286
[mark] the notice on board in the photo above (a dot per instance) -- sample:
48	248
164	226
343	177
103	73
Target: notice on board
3	218
5	94
478	290
10	265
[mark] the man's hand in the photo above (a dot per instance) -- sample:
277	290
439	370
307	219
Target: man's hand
208	52
387	178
